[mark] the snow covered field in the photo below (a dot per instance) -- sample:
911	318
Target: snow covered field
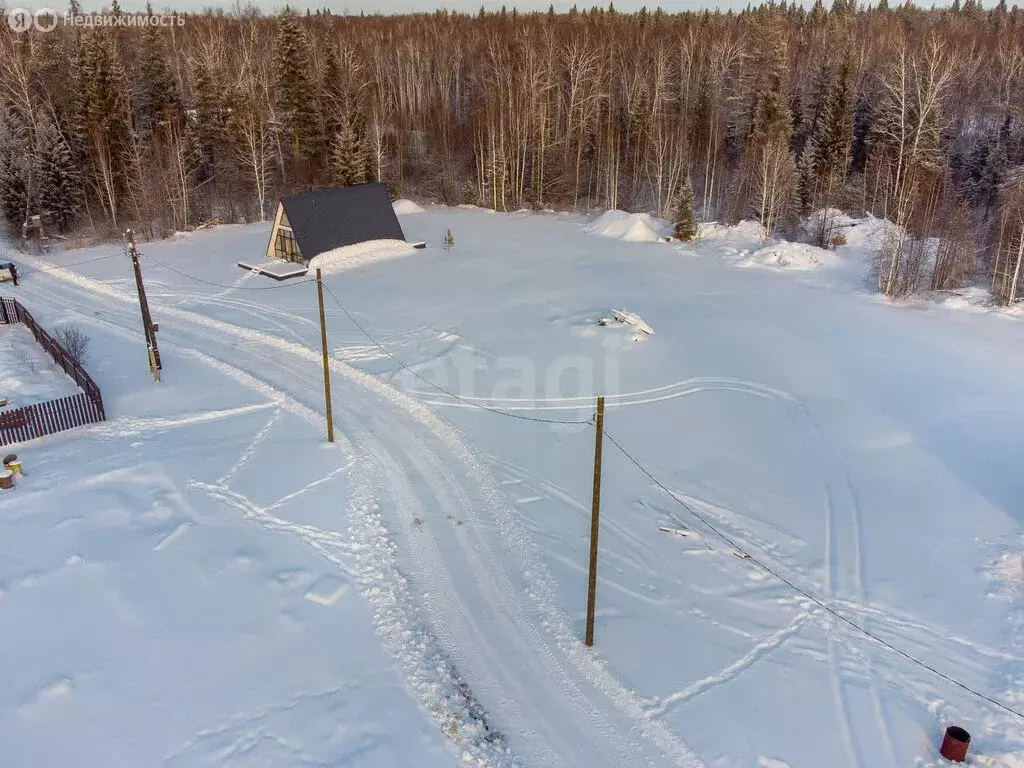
27	374
202	580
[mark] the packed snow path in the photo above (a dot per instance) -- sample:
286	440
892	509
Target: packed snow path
546	701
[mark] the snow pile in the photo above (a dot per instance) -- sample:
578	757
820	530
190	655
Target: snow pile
797	256
1012	567
743	231
971	299
27	374
632	227
407	207
352	256
837	222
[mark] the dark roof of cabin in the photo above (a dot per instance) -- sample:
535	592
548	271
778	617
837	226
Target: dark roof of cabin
331	218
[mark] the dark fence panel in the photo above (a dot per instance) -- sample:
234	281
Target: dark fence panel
41	419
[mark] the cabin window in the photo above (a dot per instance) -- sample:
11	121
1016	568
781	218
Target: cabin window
285	246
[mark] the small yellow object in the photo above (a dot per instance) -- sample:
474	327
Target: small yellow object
14	466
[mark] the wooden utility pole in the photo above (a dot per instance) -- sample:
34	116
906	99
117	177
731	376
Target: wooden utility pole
327	368
595	514
149	328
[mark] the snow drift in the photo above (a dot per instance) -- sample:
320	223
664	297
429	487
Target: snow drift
798	256
27	373
352	256
633	227
406	207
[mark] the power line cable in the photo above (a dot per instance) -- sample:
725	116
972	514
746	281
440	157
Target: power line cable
732	543
222	285
821	604
438	387
55	267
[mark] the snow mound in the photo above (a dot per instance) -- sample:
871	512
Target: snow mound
407	207
1012	567
971	299
352	256
786	255
835	219
632	227
743	231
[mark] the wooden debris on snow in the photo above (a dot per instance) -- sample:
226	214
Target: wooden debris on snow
628	318
276	268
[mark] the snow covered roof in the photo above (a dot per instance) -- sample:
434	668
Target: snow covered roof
331	218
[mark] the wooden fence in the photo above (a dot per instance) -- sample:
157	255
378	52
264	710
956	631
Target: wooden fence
40	419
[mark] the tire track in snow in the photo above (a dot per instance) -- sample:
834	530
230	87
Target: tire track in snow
678	389
760	650
429	674
844	572
508	538
251	448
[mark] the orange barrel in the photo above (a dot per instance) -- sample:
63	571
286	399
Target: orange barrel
955	743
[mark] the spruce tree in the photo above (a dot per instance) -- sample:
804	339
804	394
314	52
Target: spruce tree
58	190
335	100
685	220
14	153
159	91
347	158
295	96
103	120
210	121
832	144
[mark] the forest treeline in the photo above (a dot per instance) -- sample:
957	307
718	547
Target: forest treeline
916	116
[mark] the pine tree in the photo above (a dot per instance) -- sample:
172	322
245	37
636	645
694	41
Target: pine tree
685	220
347	157
58	192
295	96
448	241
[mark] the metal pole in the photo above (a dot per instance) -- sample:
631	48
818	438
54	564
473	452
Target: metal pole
595	514
327	369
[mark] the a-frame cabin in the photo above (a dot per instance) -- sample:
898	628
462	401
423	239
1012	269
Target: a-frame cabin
312	223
